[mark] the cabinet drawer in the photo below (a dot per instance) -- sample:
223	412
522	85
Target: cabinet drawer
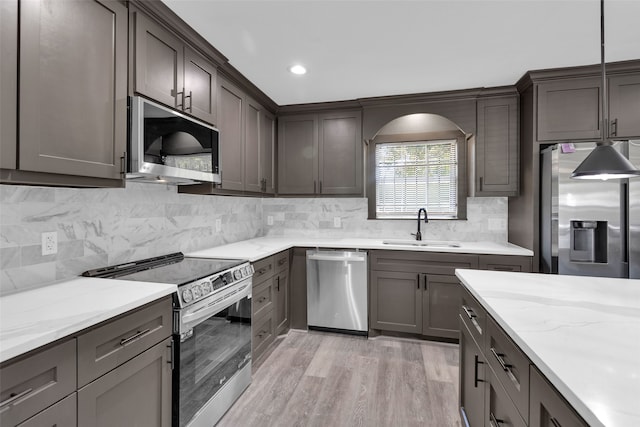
474	317
282	261
263	334
500	412
263	269
32	384
547	407
62	414
421	262
505	263
106	347
510	366
263	298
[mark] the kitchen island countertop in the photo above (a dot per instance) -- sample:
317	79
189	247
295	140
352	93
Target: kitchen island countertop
583	334
261	247
40	316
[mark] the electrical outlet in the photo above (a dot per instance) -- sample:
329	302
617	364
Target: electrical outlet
50	243
269	220
337	222
218	225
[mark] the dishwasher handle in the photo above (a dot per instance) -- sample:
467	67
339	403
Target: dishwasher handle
324	256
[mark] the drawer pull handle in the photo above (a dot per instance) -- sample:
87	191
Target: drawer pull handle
495	422
261	334
13	397
500	358
262	271
282	261
476	380
555	422
223	380
135	336
469	312
262	299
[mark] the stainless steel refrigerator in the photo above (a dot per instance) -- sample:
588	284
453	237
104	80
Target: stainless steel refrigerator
588	228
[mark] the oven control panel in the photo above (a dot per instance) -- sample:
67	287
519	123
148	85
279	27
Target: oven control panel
193	292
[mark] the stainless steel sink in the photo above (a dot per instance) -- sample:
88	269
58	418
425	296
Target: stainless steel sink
422	243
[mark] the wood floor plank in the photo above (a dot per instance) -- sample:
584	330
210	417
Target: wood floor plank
319	379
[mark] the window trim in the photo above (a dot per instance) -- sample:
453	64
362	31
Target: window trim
461	139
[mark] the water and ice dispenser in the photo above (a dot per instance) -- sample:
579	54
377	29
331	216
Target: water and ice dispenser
588	241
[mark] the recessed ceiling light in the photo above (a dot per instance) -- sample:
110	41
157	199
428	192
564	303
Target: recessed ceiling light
298	69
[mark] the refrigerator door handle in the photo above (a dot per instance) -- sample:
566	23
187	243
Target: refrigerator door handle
624	220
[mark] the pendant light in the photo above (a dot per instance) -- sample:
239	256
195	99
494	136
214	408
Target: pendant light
604	162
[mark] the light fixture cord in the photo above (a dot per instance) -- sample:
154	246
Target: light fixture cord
603	100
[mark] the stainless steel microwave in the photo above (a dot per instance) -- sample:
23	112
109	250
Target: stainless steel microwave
170	147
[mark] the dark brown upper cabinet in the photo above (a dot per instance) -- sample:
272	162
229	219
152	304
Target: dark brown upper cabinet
497	147
231	106
72	93
169	71
267	150
624	105
8	83
569	109
320	154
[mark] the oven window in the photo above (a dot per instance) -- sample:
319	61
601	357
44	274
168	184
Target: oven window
218	348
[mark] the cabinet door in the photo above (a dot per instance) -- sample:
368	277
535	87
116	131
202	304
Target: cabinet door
442	296
298	288
500	410
73	87
8	82
297	155
624	105
547	407
282	302
252	172
569	109
159	62
472	379
137	393
200	85
231	126
497	155
62	414
340	153
267	150
396	301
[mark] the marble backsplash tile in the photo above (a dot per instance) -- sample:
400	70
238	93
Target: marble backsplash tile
487	220
98	227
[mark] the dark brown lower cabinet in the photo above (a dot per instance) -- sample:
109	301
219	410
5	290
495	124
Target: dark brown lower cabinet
396	301
298	288
472	379
62	414
547	407
500	410
137	393
441	301
282	302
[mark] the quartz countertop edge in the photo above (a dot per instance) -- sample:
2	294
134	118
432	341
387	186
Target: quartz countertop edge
37	317
577	330
261	247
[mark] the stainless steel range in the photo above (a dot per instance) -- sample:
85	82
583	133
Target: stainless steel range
212	330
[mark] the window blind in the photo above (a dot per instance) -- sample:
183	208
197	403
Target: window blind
414	175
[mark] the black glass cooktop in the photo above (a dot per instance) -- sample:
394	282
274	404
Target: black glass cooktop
173	268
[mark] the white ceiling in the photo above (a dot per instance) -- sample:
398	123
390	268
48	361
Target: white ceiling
362	48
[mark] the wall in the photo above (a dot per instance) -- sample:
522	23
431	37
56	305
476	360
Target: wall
99	227
487	220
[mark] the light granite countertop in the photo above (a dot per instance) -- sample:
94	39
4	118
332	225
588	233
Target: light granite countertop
37	317
583	333
261	247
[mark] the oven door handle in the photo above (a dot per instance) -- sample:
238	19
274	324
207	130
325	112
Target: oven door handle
192	319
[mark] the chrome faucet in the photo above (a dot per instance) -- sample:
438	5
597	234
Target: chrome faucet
426	220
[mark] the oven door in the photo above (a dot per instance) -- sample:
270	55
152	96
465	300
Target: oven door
208	355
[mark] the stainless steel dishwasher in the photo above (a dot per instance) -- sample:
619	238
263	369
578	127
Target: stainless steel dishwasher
337	291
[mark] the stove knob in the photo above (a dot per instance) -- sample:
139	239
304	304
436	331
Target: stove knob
187	296
237	274
206	288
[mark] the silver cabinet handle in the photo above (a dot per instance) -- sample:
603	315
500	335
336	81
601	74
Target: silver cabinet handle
469	312
135	336
614	127
181	95
476	362
190	96
262	299
500	358
555	422
13	397
494	421
282	261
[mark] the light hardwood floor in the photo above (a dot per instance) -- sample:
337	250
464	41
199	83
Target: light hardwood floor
321	379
